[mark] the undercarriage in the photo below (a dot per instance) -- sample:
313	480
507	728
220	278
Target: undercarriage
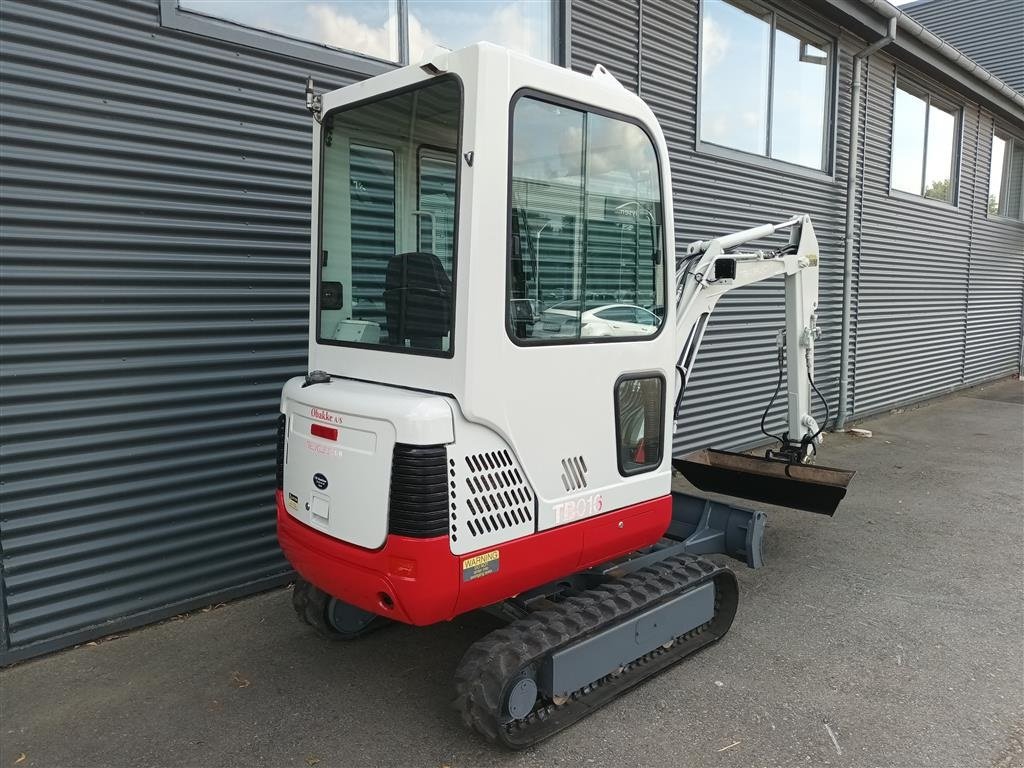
573	645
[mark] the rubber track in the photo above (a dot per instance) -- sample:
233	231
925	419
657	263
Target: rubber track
495	662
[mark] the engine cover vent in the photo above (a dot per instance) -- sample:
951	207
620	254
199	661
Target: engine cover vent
491	500
282	429
574	473
498	496
418	505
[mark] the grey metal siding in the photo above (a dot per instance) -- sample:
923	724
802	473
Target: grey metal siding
155	234
606	32
939	287
991	32
996	279
736	373
912	291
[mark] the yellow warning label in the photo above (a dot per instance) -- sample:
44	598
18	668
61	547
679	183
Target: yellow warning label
481	565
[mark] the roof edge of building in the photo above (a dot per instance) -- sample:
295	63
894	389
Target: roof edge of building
931	46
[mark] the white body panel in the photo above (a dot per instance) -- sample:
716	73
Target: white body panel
492	500
341	486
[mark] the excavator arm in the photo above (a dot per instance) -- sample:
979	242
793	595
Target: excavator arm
708	269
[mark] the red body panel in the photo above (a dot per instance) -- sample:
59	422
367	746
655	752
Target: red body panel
423	580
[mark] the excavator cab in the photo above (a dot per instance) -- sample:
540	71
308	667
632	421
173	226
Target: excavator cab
501	330
491	254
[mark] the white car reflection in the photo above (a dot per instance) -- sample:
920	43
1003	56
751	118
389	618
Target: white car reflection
564	320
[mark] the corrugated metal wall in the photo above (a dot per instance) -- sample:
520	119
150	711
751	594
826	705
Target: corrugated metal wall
940	287
155	278
606	32
914	255
995	282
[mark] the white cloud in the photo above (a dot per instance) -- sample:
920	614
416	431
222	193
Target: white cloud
751	118
617	146
421	40
715	43
347	32
506	25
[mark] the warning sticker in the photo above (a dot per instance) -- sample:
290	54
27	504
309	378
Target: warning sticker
481	565
293	501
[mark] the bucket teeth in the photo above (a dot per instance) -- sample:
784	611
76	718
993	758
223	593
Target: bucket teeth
494	663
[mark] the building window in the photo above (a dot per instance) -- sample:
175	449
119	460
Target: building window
396	31
585	223
924	141
765	84
1006	177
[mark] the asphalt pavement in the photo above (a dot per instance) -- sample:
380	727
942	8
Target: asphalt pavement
889	635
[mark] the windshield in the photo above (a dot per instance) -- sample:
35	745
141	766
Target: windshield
387	224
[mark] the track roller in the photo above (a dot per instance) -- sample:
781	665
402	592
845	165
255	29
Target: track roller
530	679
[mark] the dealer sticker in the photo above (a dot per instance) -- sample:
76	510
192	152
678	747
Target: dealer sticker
481	565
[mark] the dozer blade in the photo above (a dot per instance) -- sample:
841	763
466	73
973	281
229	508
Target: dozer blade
800	486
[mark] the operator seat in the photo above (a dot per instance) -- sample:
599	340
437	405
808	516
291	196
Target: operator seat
417	300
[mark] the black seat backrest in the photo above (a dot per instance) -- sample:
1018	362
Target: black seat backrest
417	300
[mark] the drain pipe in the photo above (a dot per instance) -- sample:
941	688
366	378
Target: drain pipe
851	184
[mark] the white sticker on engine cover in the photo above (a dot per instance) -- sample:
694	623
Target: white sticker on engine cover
578	509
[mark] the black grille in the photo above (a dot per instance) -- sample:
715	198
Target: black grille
419	491
282	421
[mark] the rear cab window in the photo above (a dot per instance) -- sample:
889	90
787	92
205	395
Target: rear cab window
388	221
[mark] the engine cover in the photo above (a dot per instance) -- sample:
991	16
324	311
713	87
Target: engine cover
339	443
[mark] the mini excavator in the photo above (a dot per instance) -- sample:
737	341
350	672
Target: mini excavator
501	332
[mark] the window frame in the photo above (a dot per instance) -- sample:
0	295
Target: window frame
914	87
172	16
387	348
1012	140
561	101
831	118
638	376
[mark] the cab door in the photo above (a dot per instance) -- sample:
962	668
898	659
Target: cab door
583	399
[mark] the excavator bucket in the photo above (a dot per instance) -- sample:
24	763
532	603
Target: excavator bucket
800	486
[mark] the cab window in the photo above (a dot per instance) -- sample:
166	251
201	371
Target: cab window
387	225
585	226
